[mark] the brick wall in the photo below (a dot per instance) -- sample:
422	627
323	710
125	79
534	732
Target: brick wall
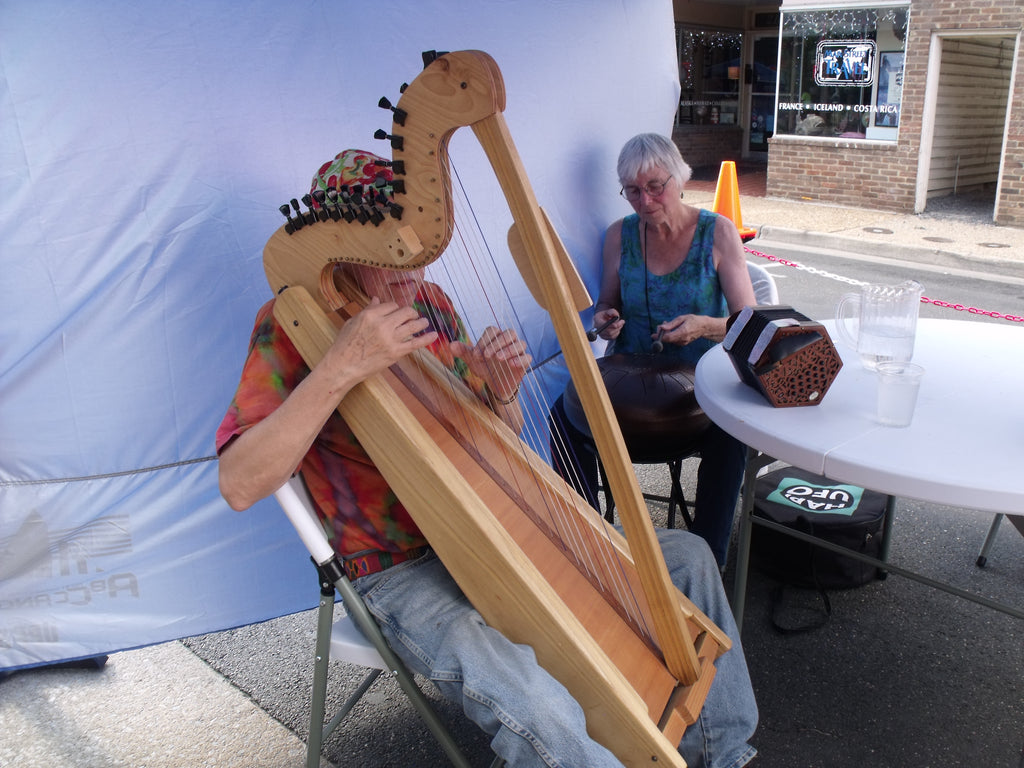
855	173
708	145
868	174
863	174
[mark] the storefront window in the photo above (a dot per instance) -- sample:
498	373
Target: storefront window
710	66
841	72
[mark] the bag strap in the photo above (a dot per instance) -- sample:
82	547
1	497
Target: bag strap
823	617
811	625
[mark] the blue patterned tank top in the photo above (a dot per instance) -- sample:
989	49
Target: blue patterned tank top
648	299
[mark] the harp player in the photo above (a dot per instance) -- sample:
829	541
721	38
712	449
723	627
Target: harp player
284	416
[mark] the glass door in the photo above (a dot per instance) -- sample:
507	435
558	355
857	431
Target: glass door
761	75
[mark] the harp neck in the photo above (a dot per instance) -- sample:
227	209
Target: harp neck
414	226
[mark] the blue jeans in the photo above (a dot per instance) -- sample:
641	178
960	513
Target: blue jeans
531	717
723	459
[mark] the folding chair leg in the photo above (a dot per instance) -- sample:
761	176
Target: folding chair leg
351	702
318	732
368	625
325	618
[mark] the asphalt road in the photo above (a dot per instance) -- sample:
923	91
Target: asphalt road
823	277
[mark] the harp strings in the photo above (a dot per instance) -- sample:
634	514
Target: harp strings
469	273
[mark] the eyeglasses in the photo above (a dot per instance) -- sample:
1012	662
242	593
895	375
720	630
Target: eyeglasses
652	188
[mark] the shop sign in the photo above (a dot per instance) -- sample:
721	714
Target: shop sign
845	62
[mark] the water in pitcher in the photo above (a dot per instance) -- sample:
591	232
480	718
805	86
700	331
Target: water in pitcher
880	345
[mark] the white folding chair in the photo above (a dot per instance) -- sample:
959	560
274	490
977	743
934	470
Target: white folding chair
765	290
355	637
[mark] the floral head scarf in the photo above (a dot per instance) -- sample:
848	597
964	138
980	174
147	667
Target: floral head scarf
351	167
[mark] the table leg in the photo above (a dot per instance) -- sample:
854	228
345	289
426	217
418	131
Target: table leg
887	525
755	462
989	540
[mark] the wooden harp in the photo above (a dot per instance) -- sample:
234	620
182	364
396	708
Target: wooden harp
484	507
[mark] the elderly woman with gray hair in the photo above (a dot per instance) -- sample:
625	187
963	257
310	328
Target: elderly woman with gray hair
671	276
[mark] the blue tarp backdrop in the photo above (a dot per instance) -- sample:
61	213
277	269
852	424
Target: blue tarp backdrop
144	150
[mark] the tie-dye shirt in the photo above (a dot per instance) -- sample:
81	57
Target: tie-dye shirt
649	300
359	510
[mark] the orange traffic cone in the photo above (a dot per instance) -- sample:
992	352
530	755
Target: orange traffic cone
727	199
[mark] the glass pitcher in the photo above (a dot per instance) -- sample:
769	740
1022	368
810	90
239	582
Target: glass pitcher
880	322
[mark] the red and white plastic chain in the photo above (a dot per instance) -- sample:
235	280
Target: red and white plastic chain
924	299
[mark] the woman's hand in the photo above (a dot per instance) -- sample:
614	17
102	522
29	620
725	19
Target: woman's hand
610	322
682	330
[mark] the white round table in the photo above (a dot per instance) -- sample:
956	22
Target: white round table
964	448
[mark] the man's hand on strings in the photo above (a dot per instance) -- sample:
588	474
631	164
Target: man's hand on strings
377	337
499	358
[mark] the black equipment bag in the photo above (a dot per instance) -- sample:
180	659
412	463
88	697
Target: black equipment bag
839	513
842	514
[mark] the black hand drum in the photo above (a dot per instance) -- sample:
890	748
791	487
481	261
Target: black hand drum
654	403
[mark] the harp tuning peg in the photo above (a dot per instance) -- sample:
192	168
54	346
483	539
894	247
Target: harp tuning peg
310	214
335	201
292	224
323	213
400	114
299	220
397	142
429	57
397	166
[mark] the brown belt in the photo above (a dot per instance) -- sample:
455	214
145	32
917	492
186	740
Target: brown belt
374	562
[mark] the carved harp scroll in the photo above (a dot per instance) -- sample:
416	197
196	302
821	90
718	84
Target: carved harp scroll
441	489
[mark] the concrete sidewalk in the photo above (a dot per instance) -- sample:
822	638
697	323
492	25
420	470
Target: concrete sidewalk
158	707
957	237
166	706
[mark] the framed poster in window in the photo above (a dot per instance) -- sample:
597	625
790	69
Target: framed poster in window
890	89
844	62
